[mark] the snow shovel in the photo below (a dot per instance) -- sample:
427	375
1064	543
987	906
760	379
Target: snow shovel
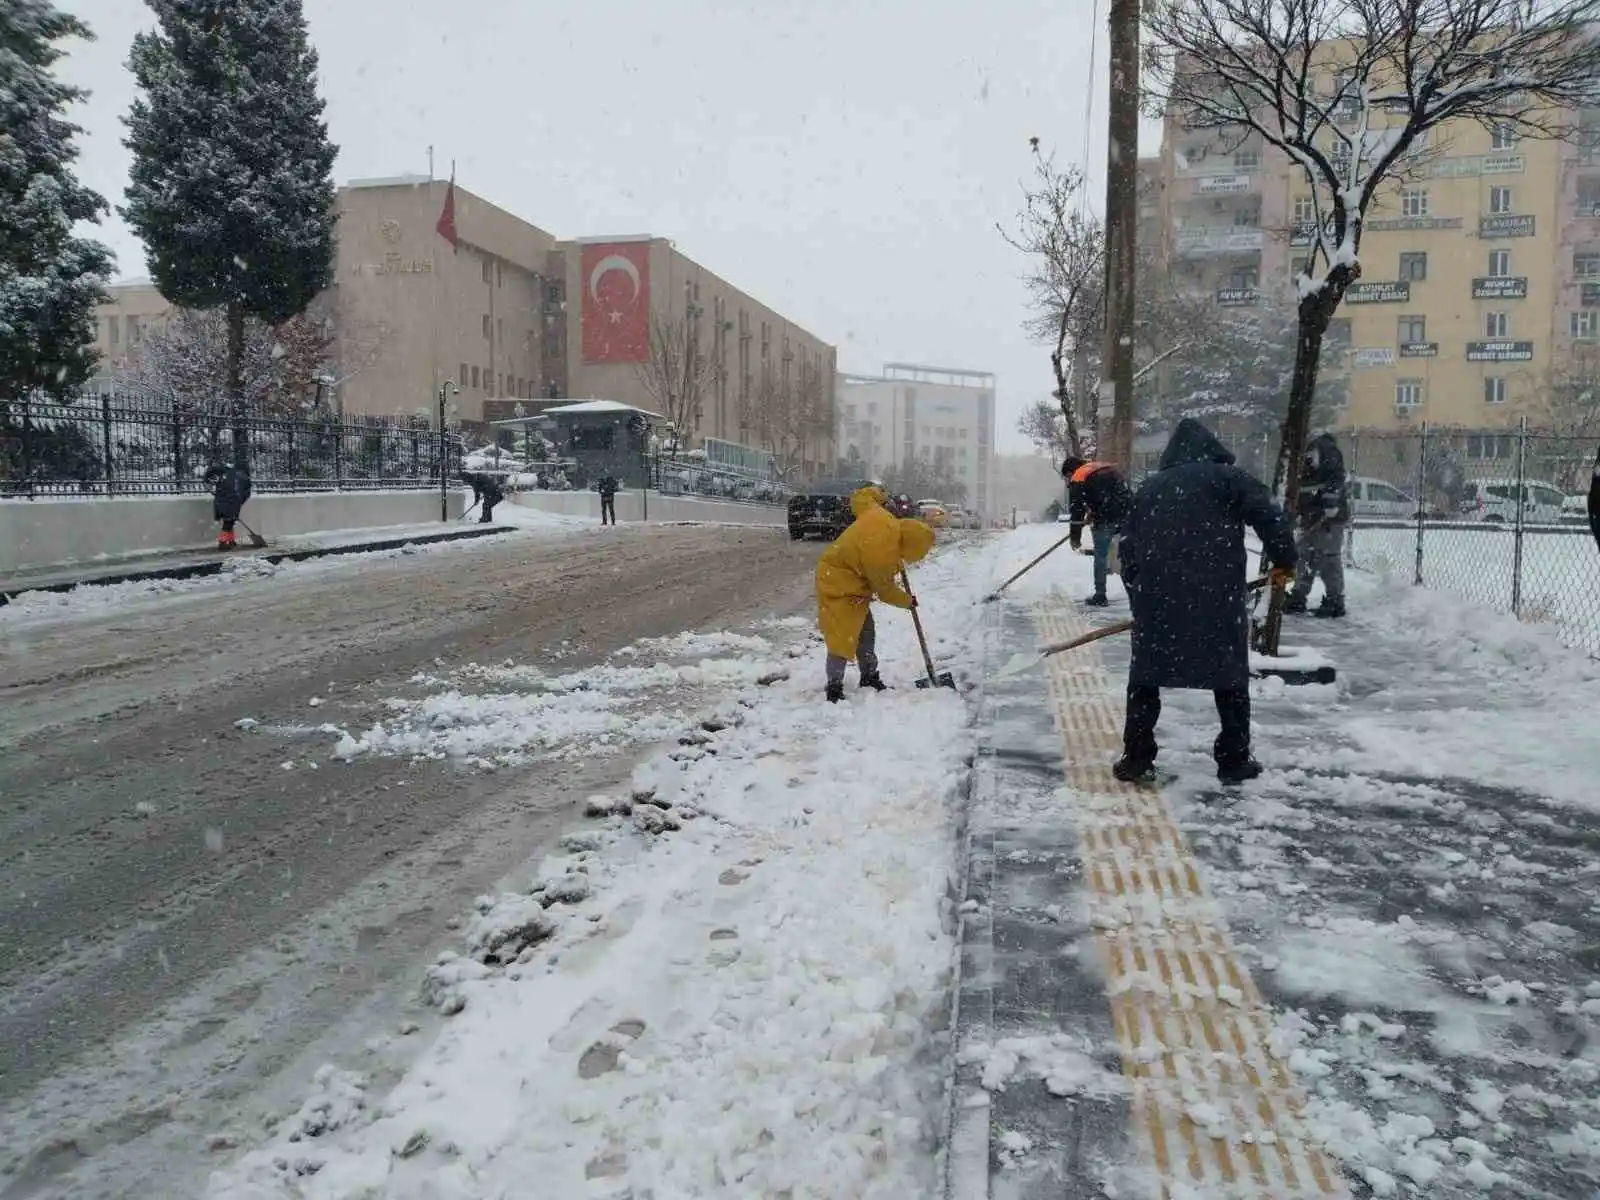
256	540
469	510
943	678
995	595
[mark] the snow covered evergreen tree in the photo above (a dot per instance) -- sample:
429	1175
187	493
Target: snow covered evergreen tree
50	280
232	180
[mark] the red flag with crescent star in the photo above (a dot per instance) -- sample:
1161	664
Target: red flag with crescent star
447	218
616	302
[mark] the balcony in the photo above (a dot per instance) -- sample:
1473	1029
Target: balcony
1217	239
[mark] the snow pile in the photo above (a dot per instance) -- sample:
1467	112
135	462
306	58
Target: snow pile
729	984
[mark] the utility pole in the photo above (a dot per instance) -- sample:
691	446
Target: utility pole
1122	219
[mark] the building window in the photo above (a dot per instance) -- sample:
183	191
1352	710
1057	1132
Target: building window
462	378
1246	218
1407	394
1305	210
1586	265
1585	324
1500	200
1497	324
1244	278
486	325
488	271
1504	138
500	330
474	377
499	275
1413	329
113	330
1499	264
1414	202
1494	390
135	332
1414	265
500	382
1247	160
1299	266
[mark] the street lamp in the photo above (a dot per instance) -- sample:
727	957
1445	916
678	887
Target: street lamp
446	389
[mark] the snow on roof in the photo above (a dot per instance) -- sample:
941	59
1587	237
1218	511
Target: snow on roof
596	407
615	237
392	181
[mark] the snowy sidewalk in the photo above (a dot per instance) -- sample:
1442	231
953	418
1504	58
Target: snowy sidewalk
734	983
1372	972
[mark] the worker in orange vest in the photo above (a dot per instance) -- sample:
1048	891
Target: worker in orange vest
1099	495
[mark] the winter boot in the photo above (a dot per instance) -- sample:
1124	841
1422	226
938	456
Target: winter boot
1295	604
1095	601
225	540
875	682
1242	771
1132	770
1330	608
835	693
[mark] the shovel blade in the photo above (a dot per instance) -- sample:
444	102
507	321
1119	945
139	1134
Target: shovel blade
945	679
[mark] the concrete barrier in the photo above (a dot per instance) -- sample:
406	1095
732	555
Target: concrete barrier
631	505
63	531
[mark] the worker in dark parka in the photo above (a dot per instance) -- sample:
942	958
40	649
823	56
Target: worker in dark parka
1183	564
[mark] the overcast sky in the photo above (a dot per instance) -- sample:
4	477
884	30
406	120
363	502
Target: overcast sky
844	161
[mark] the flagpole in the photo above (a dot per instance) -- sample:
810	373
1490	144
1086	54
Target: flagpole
430	162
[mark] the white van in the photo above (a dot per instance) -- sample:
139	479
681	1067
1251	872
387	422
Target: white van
1495	501
1375	498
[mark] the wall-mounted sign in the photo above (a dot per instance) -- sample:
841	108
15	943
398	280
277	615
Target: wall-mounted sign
1505	225
1221	185
1499	351
1237	297
1373	356
1478	164
1395	292
1500	287
1589	295
1419	349
1414	224
393	264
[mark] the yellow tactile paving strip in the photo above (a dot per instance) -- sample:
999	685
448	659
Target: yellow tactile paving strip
1213	1105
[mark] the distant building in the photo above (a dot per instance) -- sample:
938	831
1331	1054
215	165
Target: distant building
936	414
515	316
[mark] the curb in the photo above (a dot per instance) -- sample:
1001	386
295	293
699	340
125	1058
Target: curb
213	566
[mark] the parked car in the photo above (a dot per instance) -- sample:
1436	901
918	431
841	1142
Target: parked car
823	508
1495	501
934	512
1575	510
1375	498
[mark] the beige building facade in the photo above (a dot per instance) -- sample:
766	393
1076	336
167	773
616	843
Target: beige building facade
509	315
1472	296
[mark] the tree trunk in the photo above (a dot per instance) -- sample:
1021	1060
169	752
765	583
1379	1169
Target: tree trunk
236	411
1067	404
1315	313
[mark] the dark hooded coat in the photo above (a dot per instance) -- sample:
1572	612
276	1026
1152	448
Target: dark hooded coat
1594	501
1183	563
230	488
1324	497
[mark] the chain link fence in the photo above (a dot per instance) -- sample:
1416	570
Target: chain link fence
1496	517
135	446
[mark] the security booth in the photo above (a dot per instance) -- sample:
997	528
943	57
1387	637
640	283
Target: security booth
603	437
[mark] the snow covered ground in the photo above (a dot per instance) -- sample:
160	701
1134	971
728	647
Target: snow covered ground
1413	887
731	983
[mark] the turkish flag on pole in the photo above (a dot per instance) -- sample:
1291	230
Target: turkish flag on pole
447	219
615	314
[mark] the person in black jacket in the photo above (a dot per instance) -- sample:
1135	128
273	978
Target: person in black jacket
1594	500
230	488
1183	563
486	490
606	485
1324	513
1096	494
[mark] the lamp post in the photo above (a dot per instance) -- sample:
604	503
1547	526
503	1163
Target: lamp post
446	390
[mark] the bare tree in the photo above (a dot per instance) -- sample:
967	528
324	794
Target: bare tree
677	376
788	416
1347	89
1569	403
1045	425
1065	246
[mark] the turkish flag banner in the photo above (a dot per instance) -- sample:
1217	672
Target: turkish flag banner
616	302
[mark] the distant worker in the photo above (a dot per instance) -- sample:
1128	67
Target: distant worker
1594	501
1324	516
606	485
1099	495
860	566
485	491
230	488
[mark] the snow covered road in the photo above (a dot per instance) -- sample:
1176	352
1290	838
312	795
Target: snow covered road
190	907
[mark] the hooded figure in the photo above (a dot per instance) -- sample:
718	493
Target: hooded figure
1183	563
1324	513
230	487
861	565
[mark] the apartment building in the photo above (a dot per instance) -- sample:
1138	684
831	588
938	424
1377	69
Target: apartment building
1474	265
935	414
513	316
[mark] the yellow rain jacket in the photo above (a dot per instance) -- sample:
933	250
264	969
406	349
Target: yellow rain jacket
862	564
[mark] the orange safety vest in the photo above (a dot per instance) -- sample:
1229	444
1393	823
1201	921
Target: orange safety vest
1088	469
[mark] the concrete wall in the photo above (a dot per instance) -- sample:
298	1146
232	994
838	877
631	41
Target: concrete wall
52	532
630	507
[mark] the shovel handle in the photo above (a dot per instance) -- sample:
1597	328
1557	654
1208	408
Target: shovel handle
1031	565
916	620
1105	631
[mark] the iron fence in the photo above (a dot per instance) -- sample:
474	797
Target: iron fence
1497	517
133	446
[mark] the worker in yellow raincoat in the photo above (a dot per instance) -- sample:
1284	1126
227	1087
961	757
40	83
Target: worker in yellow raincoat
860	565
